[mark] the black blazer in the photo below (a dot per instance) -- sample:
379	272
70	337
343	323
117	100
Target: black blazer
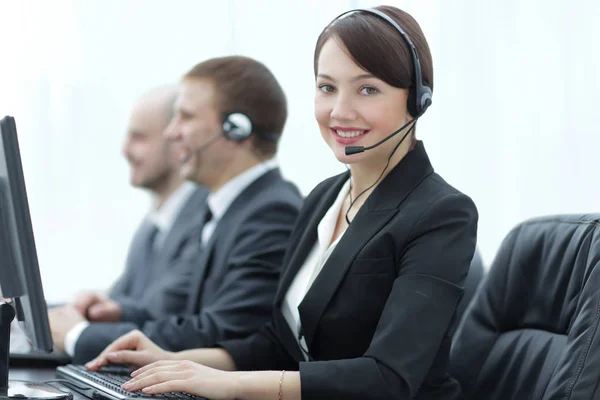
234	276
378	318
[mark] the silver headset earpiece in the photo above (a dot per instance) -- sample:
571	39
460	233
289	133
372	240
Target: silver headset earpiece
237	127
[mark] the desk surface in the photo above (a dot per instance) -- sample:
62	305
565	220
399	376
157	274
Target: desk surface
32	374
40	375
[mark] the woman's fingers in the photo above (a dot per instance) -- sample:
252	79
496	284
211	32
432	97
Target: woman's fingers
177	385
183	376
157	364
153	379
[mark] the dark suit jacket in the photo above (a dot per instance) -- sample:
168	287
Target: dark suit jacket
169	281
377	319
234	275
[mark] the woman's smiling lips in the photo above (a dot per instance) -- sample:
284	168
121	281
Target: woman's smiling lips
348	135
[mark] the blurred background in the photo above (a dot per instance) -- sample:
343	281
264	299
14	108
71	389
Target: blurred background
513	121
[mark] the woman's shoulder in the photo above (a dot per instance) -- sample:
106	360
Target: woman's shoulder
437	189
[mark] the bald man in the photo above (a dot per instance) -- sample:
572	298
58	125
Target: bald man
156	277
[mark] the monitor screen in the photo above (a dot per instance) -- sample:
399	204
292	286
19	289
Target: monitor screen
20	279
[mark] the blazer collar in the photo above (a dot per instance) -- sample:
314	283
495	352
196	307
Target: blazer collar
379	208
401	180
238	205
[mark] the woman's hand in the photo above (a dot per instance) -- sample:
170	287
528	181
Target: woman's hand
133	349
184	376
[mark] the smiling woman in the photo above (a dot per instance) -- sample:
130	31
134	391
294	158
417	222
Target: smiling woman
365	307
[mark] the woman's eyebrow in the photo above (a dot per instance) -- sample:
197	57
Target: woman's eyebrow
356	78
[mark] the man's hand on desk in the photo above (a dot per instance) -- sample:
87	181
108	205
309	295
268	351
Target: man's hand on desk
62	320
97	307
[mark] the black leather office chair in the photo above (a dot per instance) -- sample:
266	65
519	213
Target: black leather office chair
533	330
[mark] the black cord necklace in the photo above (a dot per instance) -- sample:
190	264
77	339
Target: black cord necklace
387	164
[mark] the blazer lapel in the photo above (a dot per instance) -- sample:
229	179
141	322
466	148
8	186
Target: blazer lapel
365	225
185	225
308	238
379	208
230	217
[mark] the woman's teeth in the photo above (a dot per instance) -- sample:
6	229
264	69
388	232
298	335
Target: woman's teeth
349	134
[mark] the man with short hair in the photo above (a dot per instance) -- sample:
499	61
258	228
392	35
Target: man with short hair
229	116
154	269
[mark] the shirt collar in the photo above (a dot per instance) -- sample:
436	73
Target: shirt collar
328	223
220	200
164	217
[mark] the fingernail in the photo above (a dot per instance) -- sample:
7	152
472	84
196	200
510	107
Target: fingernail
126	385
146	389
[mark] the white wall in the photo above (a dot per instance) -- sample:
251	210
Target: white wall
512	123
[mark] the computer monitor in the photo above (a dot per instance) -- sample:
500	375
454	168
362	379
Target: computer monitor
20	278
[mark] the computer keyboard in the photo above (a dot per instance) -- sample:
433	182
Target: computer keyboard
107	383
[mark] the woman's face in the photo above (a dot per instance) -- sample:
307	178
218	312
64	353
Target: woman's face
353	108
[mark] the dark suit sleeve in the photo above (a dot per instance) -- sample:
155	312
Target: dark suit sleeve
132	311
96	337
120	289
417	316
244	299
261	351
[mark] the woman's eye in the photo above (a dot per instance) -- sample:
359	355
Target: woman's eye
369	90
326	88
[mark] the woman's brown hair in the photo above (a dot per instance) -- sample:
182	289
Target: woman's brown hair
377	47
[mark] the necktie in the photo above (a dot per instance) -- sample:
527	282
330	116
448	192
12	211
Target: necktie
208	216
207	227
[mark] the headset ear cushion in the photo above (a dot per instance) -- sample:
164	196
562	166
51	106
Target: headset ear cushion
416	104
411	102
237	127
425	99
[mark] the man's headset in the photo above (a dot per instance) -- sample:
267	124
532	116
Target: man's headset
419	95
236	127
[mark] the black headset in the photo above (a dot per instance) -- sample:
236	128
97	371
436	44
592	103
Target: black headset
419	96
237	127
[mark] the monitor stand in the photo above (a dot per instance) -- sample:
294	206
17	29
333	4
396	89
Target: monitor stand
20	389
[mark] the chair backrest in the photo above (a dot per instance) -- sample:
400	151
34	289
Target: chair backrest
532	330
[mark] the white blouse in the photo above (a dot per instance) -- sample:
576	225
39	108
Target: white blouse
312	266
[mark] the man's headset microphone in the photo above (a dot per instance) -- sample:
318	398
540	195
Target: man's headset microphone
236	127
